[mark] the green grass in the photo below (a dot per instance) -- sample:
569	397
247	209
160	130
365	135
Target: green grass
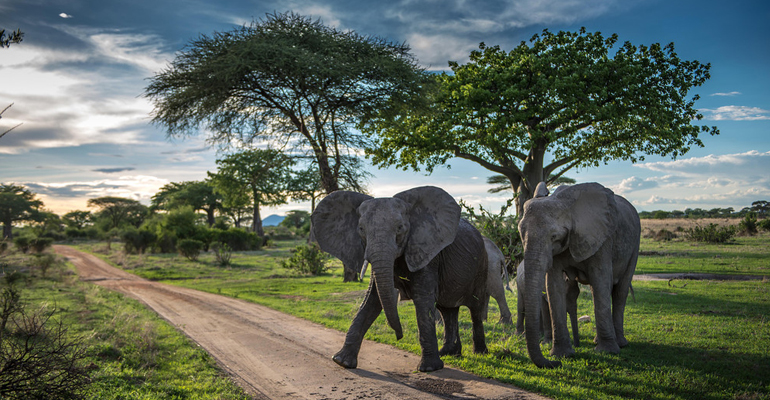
132	353
746	256
688	339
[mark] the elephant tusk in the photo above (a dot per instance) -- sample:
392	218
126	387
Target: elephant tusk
363	268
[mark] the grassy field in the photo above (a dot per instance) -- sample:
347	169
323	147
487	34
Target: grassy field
131	352
688	339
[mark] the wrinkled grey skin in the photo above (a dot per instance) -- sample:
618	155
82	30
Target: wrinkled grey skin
588	231
495	280
546	327
419	248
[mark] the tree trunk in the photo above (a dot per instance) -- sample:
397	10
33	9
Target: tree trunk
328	180
210	216
256	223
533	174
7	230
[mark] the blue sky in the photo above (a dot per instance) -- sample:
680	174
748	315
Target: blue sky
77	80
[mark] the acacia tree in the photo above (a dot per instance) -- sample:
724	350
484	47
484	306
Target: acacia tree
260	174
285	78
118	211
200	195
17	204
560	102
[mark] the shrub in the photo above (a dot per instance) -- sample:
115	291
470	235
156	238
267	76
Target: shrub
307	259
39	244
664	235
38	358
502	229
45	262
22	243
712	233
189	248
136	241
279	232
764	224
748	225
3	246
238	239
223	253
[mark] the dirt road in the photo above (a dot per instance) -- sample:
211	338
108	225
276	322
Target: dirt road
277	356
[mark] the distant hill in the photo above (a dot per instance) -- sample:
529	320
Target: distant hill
272	220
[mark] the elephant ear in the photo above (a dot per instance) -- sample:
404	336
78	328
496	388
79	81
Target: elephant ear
434	216
334	225
592	209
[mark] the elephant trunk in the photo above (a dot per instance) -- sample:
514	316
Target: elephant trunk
536	267
382	273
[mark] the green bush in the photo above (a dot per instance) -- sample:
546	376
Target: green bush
748	225
279	233
764	224
238	239
712	233
664	235
22	243
502	229
136	241
307	259
39	244
223	253
189	248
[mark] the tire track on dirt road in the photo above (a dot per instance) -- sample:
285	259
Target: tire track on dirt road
277	356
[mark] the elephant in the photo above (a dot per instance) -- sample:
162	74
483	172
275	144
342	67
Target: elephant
588	231
419	248
545	327
496	277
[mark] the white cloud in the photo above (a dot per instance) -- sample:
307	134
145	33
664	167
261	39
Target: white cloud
727	94
736	113
731	166
633	184
65	15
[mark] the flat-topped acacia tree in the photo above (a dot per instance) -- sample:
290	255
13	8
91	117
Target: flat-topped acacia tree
285	78
558	102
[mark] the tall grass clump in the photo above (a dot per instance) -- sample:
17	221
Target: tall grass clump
748	225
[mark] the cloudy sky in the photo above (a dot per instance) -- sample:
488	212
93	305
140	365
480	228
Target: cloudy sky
76	84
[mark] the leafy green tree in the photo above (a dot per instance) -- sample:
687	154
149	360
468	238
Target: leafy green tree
118	211
77	219
761	207
260	174
17	204
560	102
200	195
285	77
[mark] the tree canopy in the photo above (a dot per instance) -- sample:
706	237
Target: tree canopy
17	204
200	195
285	78
118	211
12	37
558	102
259	175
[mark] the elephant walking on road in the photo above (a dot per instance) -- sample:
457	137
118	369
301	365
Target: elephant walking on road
416	243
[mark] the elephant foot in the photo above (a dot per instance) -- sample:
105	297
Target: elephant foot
453	350
563	351
505	320
346	359
430	364
608	347
622	341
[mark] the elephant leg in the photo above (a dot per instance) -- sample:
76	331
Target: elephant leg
369	311
545	320
452	345
519	311
425	307
557	289
479	340
573	292
499	295
605	330
619	298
